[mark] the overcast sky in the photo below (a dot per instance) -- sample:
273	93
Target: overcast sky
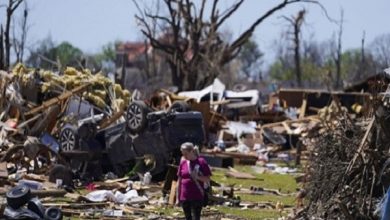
89	24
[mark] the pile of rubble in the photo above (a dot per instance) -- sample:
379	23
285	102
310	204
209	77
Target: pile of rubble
45	113
347	176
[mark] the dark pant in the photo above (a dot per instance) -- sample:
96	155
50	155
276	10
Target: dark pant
192	209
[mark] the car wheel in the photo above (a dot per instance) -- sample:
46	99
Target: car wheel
136	116
18	196
69	141
179	106
69	138
53	213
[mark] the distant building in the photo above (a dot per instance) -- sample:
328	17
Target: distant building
131	58
139	66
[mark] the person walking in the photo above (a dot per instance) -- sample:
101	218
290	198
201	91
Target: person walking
193	178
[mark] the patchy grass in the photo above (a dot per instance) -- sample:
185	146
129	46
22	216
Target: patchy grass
284	183
170	211
250	213
287	200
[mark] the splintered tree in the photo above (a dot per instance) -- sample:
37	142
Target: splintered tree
296	23
191	40
2	64
337	54
11	7
19	42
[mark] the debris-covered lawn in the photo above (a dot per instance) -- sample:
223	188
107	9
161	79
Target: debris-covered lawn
86	148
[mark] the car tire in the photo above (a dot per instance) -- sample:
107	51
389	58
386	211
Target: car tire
18	196
179	106
36	206
53	213
136	113
69	138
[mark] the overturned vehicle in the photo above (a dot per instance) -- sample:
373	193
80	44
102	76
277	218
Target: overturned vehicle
146	138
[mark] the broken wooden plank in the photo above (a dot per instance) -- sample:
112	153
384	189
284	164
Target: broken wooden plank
287	128
233	154
110	186
75	205
169	100
117	180
108	121
172	194
25	123
35	177
134	209
238	175
314	109
49	193
233	170
58	99
172	97
3	83
305	119
302	110
3	170
263	191
220	102
4	74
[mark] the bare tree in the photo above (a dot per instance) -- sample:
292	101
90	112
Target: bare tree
362	64
380	48
19	43
296	23
337	58
191	41
2	63
11	7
